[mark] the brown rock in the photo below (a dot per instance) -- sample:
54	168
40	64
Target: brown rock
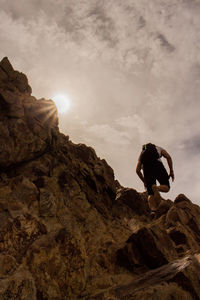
3	75
166	239
8	265
135	201
12	104
181	198
14	79
68	229
18	234
6	66
18	286
172	281
27	126
163	208
141	250
54	260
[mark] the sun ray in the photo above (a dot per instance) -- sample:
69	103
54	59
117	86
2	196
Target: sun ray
62	102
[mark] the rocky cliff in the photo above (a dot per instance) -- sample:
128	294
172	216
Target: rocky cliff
68	230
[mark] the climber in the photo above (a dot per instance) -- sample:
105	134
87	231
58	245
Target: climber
153	169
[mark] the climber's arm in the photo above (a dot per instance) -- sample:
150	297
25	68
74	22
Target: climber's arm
170	163
138	170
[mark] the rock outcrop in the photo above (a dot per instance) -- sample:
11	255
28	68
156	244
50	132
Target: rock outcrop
68	230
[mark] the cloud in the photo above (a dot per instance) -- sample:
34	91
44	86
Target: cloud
104	26
164	43
109	134
137	123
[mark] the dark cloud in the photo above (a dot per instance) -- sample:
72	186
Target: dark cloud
193	5
141	22
192	146
164	43
104	26
27	10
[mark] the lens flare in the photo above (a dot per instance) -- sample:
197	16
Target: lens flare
62	102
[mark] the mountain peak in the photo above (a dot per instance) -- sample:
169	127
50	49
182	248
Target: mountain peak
27	124
6	66
13	80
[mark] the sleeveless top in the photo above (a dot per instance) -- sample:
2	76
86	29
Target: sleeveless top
159	149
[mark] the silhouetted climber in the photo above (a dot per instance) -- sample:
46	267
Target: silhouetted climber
153	169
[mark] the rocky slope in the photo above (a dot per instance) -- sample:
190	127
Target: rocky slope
67	228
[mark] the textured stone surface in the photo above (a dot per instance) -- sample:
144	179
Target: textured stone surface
68	229
27	125
169	237
177	280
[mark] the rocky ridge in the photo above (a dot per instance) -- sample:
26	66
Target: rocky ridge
68	230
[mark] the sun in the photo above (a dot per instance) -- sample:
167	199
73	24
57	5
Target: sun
62	102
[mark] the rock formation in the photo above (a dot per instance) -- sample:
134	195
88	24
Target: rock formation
68	230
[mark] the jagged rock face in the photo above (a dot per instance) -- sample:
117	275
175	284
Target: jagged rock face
55	198
27	125
177	280
68	230
166	239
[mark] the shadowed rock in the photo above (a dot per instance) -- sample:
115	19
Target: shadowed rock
173	281
68	229
27	125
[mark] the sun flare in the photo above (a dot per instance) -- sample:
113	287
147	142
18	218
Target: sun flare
62	102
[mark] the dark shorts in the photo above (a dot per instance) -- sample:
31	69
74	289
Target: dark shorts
153	172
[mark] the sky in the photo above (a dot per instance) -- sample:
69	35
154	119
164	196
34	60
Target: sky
131	69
